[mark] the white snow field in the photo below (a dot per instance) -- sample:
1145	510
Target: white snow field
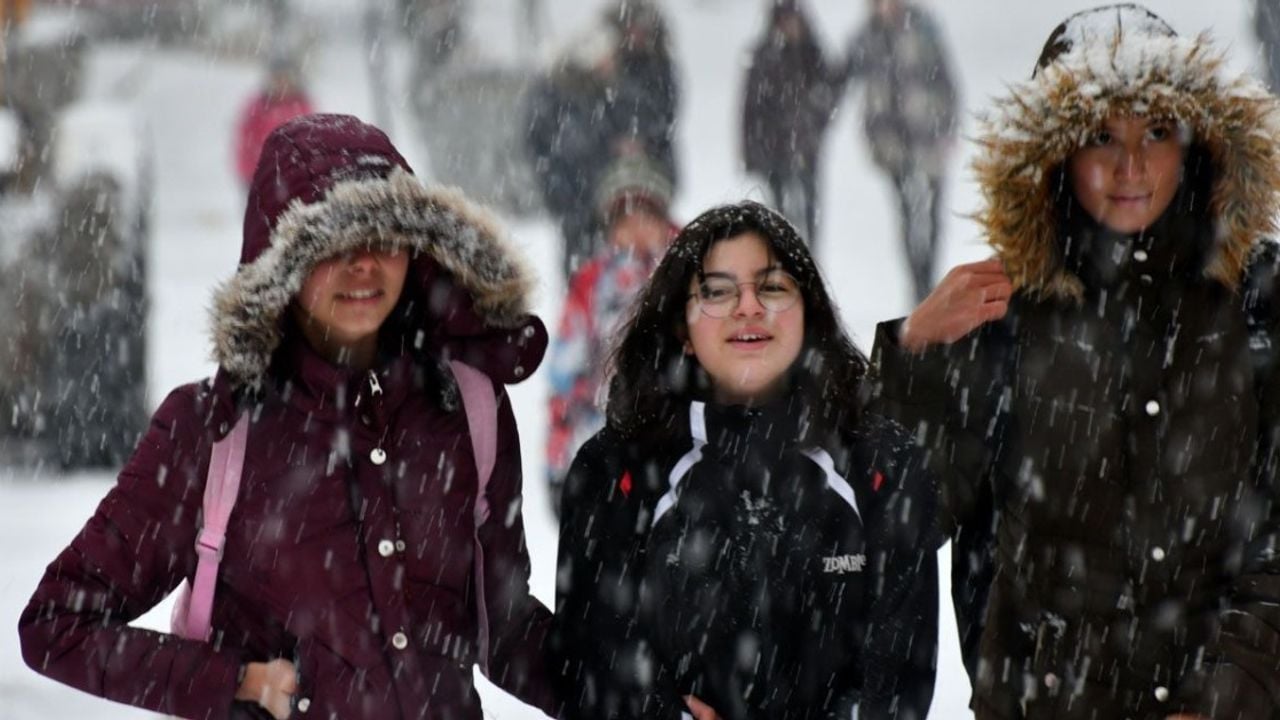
190	100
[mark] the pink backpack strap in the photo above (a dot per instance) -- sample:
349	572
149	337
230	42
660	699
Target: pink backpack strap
481	407
193	613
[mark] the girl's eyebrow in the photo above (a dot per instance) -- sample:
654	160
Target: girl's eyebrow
734	276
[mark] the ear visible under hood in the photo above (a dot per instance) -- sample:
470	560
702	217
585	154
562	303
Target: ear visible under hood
443	226
1040	123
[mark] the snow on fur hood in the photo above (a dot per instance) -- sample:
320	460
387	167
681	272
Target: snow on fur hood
1124	60
328	184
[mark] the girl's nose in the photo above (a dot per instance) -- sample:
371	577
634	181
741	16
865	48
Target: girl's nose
362	260
1133	164
745	306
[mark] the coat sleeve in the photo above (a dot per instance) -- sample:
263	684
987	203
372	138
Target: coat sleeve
1240	675
605	668
517	621
134	551
900	646
951	409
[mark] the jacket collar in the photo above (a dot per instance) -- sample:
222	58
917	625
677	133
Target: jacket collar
307	381
735	429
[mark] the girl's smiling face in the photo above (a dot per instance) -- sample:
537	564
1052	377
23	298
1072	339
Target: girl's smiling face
745	320
345	299
1129	172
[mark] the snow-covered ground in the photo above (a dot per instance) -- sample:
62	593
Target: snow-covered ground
190	101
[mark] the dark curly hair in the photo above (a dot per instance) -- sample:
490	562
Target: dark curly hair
651	378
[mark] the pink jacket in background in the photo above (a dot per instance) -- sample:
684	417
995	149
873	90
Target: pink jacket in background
264	113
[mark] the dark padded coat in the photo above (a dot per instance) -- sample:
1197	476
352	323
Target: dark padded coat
769	579
1108	448
360	571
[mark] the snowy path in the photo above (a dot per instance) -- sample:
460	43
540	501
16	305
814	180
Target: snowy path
191	103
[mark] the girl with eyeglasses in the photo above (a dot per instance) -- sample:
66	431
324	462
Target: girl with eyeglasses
742	540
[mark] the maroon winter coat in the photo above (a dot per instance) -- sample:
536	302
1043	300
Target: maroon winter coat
361	573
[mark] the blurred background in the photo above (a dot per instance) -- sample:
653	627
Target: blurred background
127	128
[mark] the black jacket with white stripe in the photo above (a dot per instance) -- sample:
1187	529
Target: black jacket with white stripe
769	578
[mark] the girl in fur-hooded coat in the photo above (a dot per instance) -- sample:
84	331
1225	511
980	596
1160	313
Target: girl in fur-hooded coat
351	549
1109	443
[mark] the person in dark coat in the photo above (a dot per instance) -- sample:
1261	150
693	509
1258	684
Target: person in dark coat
910	108
1101	397
645	93
74	350
741	539
569	141
788	101
349	584
613	95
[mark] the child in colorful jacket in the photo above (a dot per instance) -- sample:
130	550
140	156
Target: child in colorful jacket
633	201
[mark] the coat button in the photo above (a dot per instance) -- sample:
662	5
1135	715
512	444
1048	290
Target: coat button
377	456
304	705
386	547
1157	553
1162	693
1140	255
1152	407
366	420
399	641
1050	680
400	546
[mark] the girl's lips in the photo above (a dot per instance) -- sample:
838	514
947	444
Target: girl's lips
1131	199
748	340
361	297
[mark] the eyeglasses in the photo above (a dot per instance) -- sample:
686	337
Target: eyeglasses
718	297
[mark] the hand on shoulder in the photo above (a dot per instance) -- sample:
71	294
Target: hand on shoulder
969	296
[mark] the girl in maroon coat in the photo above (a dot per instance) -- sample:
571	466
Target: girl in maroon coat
348	584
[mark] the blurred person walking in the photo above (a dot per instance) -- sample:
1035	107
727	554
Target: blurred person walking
376	551
634	203
1101	398
910	108
790	95
569	141
645	95
612	94
282	98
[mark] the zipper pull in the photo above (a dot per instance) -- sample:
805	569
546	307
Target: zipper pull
374	386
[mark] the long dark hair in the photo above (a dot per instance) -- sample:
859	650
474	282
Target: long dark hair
652	379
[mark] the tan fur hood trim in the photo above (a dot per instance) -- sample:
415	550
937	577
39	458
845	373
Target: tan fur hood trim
440	223
1040	123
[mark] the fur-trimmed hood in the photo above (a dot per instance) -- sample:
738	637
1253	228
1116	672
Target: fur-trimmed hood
329	184
1124	60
